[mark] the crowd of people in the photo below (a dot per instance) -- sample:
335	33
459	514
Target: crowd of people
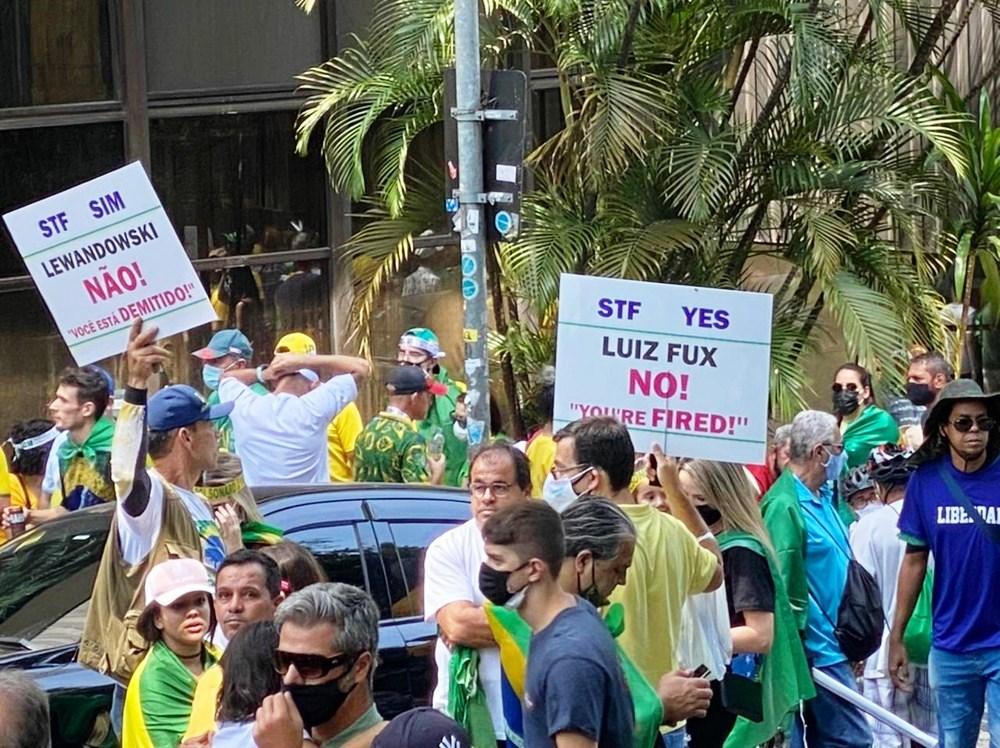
595	597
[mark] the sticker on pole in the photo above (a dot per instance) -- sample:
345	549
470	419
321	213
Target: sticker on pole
505	223
681	366
103	253
468	265
469	289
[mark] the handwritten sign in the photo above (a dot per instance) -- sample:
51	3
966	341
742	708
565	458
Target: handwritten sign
103	253
682	366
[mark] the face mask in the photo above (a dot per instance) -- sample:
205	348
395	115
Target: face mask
460	431
211	375
919	394
559	492
871	506
834	465
592	595
493	585
708	514
845	402
318	703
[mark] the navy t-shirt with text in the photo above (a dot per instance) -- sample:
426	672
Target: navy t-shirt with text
965	609
575	683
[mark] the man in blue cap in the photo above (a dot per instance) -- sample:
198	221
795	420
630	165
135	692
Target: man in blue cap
226	351
158	514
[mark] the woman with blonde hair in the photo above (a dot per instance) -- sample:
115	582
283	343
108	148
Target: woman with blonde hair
235	508
768	675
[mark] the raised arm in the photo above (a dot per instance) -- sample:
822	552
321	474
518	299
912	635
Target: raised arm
326	366
128	448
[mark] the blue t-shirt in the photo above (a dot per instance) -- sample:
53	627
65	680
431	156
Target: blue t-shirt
965	609
575	683
826	557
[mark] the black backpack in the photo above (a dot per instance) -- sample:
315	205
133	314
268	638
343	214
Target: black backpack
860	618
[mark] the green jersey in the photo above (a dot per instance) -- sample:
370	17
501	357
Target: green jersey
390	450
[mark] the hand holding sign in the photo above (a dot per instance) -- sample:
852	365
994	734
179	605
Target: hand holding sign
143	356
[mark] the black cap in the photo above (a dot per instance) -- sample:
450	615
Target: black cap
423	728
405	380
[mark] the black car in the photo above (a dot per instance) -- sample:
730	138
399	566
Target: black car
373	536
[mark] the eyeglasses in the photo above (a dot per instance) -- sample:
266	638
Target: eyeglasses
558	471
834	448
850	387
309	666
499	490
964	424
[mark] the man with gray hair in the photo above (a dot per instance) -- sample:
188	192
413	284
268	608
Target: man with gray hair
813	554
24	722
327	651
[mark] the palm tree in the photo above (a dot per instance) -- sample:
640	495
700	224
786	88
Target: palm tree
667	168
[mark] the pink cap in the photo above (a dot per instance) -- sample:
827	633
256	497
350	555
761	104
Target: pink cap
170	580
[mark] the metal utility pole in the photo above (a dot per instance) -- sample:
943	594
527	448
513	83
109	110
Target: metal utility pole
469	116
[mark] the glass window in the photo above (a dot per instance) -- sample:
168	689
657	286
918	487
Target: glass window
410	540
44	160
54	52
213	44
336	549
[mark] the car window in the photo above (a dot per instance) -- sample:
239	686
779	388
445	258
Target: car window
46	575
404	545
336	549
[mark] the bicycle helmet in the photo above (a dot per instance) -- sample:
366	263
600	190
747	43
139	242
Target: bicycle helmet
855	482
891	465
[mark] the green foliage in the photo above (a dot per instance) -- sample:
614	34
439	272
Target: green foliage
707	137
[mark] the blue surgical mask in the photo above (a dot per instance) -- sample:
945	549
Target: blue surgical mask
211	376
559	492
834	465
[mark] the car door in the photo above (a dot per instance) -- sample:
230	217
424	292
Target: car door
404	528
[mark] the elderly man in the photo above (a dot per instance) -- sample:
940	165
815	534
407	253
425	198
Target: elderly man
327	652
813	554
25	720
228	349
952	510
675	554
499	477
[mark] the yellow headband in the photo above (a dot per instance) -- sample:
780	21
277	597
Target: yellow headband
218	493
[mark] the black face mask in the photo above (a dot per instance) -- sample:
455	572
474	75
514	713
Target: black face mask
592	595
493	583
710	515
318	703
919	394
845	402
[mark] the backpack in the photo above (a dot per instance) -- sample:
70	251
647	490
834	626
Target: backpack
860	618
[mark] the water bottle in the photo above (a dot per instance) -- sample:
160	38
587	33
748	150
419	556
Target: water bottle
436	446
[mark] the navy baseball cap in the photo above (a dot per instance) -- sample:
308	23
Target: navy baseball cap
223	343
423	728
179	405
405	380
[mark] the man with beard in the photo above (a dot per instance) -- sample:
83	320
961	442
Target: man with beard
952	510
326	656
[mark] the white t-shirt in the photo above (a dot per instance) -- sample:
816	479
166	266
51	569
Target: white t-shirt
137	535
281	438
876	545
51	482
234	735
451	574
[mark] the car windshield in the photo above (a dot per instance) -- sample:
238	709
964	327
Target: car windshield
49	573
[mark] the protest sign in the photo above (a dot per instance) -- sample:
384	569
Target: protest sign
103	253
681	366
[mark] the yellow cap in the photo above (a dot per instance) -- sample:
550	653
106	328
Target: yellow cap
296	342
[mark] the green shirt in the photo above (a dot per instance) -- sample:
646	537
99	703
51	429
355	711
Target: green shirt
390	450
439	419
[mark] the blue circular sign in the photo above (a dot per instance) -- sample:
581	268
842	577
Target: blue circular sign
469	288
504	222
468	264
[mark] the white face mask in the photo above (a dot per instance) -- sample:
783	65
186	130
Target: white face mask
461	432
559	492
868	508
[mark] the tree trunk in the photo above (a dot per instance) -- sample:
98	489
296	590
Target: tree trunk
963	323
515	417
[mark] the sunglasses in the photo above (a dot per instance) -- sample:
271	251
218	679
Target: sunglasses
310	666
965	423
850	387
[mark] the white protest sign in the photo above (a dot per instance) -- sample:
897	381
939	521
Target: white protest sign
103	253
681	366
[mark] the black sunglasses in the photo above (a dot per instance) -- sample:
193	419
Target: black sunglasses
965	423
850	387
310	666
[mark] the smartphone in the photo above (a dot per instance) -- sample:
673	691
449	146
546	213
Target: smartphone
700	672
654	479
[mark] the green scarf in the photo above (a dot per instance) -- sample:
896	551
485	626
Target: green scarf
96	444
784	673
260	533
466	698
872	428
